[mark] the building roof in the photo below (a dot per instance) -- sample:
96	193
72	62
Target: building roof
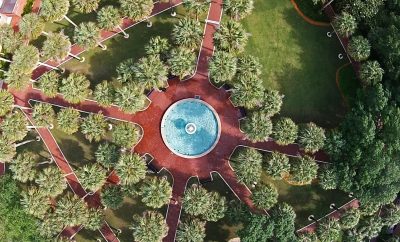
7	6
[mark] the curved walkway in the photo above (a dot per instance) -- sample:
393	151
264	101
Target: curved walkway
307	19
181	169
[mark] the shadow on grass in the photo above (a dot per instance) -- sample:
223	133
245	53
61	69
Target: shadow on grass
299	60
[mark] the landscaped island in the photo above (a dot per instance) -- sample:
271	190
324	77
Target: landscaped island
199	120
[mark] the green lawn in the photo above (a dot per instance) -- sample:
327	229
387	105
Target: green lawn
349	84
101	65
308	199
76	148
298	59
121	218
312	11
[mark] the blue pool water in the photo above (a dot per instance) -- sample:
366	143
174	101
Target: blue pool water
190	128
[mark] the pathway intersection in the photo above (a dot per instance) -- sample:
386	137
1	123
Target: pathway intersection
150	119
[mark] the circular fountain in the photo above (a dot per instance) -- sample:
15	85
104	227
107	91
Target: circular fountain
190	128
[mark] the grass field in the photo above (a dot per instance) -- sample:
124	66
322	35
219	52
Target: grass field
349	84
308	199
298	59
101	65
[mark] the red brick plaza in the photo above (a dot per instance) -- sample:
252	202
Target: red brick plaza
150	119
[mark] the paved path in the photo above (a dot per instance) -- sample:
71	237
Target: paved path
181	169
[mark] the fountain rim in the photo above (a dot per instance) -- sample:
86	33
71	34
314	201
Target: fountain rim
215	113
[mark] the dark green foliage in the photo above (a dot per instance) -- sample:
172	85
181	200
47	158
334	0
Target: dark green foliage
112	197
15	224
259	227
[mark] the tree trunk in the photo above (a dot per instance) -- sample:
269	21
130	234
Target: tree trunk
81	59
27	142
51	67
126	35
104	47
6	60
70	21
326	5
39	127
46	162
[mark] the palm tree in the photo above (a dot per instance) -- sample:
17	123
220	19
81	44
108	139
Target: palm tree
35	202
265	196
345	24
350	218
276	165
149	228
51	181
328	178
182	62
49	83
216	207
31	26
6	102
130	98
271	103
126	134
303	170
191	230
112	197
285	131
69	209
247	93
107	154
43	115
125	71
136	9
68	120
238	9
222	67
156	192
231	37
158	46
369	227
110	18
94	127
359	48
57	46
55	10
50	226
329	230
7	150
16	79
371	73
75	88
14	127
187	33
131	168
94	219
88	36
9	39
247	164
25	59
151	72
311	137
196	200
104	93
248	67
24	167
257	126
87	6
196	7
